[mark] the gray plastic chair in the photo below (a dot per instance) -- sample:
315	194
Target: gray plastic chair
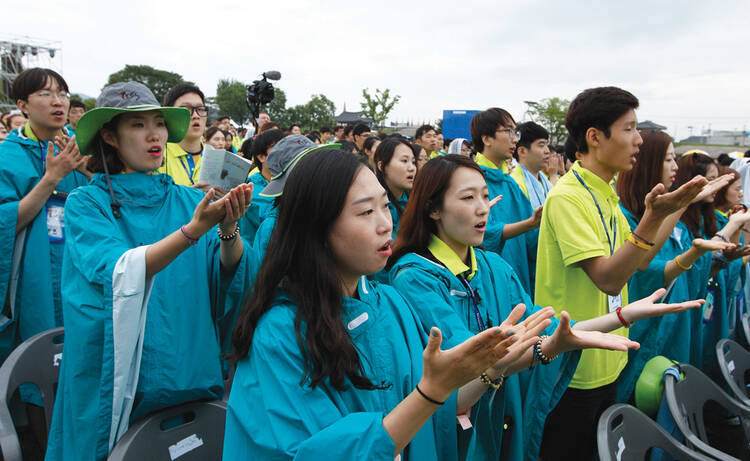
687	398
192	431
37	361
625	433
734	362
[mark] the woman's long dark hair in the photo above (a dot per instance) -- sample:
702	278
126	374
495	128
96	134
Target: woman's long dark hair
383	155
416	227
298	257
633	185
692	165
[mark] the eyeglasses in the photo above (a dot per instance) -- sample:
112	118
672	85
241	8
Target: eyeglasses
513	134
202	111
46	94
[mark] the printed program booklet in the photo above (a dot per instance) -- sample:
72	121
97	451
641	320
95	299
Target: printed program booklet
223	169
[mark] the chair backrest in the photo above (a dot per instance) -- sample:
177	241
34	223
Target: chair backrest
626	434
687	399
192	431
37	361
734	362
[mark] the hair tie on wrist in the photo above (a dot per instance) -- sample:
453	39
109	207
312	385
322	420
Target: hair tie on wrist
190	239
622	319
429	399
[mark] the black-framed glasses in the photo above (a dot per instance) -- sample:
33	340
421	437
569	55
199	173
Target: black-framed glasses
202	111
514	134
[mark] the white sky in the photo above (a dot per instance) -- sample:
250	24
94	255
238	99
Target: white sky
686	61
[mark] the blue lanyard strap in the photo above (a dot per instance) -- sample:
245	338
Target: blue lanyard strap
475	303
601	216
191	164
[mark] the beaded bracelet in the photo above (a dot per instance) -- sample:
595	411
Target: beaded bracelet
227	237
539	355
493	383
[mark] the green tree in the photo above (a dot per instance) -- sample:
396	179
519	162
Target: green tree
230	97
277	108
377	106
158	81
319	112
550	113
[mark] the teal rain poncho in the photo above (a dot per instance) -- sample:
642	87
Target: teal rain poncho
526	398
520	251
188	321
258	209
726	291
668	335
272	416
38	250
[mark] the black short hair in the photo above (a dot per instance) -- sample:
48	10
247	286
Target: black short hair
77	103
179	90
422	130
348	130
485	123
347	146
570	149
360	128
262	142
530	132
223	117
35	79
326	129
598	108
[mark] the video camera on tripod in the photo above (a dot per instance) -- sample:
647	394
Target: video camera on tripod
261	91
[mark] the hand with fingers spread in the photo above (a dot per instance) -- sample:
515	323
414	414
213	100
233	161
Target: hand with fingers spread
444	371
68	159
494	201
663	203
713	245
736	252
567	339
532	326
713	187
648	307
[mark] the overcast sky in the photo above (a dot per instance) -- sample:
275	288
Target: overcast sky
687	61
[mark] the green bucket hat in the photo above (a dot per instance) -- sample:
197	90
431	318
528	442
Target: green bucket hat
120	98
650	385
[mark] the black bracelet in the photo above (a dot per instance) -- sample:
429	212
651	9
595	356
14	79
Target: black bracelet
429	399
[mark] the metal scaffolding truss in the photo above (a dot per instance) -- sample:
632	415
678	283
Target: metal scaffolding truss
21	52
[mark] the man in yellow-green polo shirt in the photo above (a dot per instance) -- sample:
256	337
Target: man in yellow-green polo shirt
182	161
585	258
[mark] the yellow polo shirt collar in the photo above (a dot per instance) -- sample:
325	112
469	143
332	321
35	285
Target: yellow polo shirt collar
443	253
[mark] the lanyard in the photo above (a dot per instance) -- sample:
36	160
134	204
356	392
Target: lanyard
475	304
601	216
191	164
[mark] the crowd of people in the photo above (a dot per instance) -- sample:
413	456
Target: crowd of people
365	295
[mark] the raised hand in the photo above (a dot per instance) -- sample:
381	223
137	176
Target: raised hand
446	370
736	252
207	213
567	339
533	326
713	187
740	217
536	217
664	203
494	201
713	245
648	307
68	159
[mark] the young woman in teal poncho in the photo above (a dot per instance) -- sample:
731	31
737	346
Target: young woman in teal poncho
700	222
655	166
464	290
395	168
330	365
726	288
148	288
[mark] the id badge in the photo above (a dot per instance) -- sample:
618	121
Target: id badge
614	302
708	308
56	219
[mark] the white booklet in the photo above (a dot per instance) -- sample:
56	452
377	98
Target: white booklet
223	169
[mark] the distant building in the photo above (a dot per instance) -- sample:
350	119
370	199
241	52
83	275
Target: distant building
721	137
649	125
352	118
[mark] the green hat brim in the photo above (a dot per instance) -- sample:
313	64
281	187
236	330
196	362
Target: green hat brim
176	118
